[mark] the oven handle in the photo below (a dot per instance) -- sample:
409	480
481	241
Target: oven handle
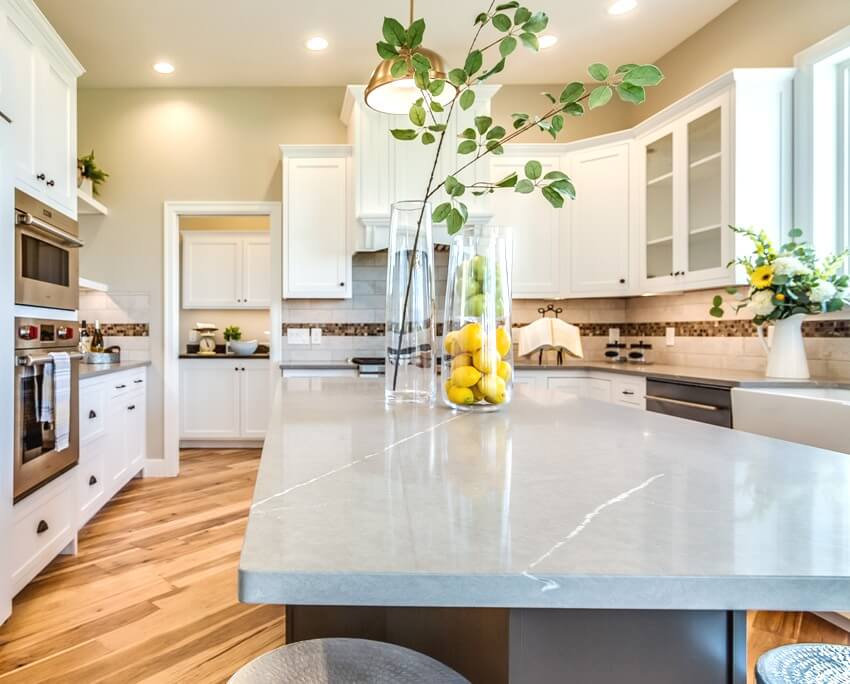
36	359
682	402
25	219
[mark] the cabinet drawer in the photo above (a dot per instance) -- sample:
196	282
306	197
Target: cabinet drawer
119	384
598	389
92	411
44	525
629	391
91	492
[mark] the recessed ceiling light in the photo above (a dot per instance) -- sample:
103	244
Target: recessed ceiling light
622	7
317	43
547	40
163	68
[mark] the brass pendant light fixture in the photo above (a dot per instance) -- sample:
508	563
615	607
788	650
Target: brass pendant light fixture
388	94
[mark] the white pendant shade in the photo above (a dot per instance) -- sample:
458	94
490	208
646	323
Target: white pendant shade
396	97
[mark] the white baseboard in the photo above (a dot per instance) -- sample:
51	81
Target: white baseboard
157	467
841	620
220	444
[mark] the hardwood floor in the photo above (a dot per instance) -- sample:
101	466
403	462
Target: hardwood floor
151	596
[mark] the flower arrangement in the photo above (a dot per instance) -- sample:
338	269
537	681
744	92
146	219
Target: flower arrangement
787	281
89	170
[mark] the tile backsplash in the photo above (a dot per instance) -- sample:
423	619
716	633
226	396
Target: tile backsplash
124	320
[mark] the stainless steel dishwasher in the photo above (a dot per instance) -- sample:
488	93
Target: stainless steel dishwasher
704	403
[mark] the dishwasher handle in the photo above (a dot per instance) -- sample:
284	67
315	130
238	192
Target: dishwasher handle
682	402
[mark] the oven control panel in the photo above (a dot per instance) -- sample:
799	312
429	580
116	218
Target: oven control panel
36	333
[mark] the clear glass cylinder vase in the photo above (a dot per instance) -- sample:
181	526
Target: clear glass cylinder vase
477	345
410	314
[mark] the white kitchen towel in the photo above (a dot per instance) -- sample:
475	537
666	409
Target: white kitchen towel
44	397
61	398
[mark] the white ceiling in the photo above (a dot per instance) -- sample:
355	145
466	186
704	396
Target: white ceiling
261	42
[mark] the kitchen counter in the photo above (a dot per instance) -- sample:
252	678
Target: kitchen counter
317	365
263	355
92	370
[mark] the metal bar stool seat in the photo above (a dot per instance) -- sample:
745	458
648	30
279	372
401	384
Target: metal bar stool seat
805	664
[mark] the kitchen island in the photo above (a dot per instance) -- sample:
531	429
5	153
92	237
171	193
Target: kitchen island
558	538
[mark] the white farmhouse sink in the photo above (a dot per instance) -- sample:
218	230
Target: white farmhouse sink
817	416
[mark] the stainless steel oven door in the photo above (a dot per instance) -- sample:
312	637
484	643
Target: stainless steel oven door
47	265
36	460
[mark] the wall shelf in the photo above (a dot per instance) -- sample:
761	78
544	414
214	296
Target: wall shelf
89	206
93	285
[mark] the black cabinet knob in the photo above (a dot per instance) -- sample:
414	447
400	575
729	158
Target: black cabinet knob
42	527
40	176
51	183
92	481
241	369
92	415
342	284
622	281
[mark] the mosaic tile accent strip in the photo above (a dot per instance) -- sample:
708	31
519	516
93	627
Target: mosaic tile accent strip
122	329
736	328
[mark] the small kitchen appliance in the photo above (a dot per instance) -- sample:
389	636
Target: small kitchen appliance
206	343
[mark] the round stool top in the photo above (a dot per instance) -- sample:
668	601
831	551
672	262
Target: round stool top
805	664
348	661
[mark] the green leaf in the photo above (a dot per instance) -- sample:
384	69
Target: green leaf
458	77
473	63
420	62
399	68
507	6
530	41
495	147
482	123
623	68
428	138
717	301
549	96
467	147
481	19
415	33
502	22
565	187
533	169
631	93
598	72
644	75
469	134
572	92
508	181
537	23
507	46
600	96
524	186
522	15
555	175
716	312
454	222
496	133
553	196
435	106
437	128
441	211
557	123
467	98
394	32
421	79
386	51
464	212
403	133
732	290
417	115
795	233
436	86
520	119
573	109
454	187
499	66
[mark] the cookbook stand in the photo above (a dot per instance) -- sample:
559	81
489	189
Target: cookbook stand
557	314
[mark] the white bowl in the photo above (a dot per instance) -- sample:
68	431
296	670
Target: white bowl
243	347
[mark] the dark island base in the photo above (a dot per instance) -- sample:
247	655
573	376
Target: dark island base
541	646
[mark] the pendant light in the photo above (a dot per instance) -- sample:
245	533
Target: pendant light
390	95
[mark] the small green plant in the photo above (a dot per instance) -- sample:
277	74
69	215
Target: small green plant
231	333
89	169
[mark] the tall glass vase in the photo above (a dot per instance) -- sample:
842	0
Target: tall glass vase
478	350
411	325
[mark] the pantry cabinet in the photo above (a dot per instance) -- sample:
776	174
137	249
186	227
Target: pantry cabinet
224	270
42	103
316	213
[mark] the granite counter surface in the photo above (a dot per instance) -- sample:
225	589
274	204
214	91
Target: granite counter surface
92	370
554	502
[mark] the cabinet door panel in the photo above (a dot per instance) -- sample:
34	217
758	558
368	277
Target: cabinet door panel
256	266
599	226
209	396
575	387
54	135
116	464
211	271
254	399
536	228
136	429
23	60
315	228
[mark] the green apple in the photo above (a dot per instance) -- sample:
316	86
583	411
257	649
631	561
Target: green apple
475	305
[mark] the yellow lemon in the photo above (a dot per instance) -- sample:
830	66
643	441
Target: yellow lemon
465	376
503	341
460	395
450	342
477	393
485	359
461	360
493	388
504	370
470	337
448	385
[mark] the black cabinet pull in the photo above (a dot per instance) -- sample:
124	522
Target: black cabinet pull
131	407
42	527
51	183
138	381
40	176
92	415
120	386
628	392
92	481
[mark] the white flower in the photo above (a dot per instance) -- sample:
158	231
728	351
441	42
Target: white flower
822	292
789	266
760	303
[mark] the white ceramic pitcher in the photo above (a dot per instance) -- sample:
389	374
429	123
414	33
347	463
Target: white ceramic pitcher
786	353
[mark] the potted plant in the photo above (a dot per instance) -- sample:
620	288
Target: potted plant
89	174
785	286
231	333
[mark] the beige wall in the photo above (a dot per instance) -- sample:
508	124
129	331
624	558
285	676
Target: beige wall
751	33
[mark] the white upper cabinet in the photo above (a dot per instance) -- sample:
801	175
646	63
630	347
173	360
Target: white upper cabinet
223	270
599	235
316	213
718	157
42	102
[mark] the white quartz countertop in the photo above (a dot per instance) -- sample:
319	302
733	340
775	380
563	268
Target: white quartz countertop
555	502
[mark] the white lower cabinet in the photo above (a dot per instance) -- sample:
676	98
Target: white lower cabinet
224	399
600	385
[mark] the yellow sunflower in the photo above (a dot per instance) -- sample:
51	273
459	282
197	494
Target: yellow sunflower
762	277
